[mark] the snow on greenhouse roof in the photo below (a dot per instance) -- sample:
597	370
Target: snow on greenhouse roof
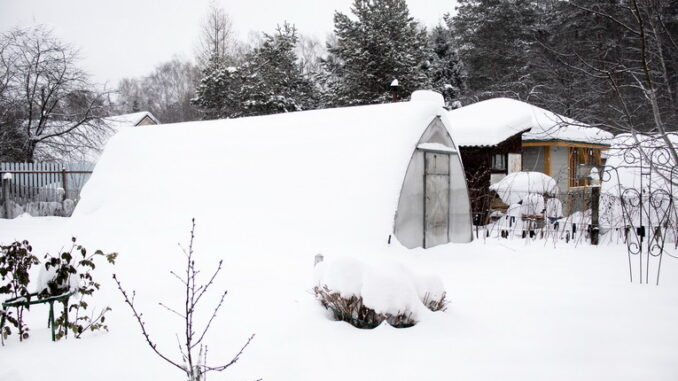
306	177
492	121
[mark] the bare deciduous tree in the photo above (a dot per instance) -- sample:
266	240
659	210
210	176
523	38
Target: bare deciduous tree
310	52
632	54
216	35
166	92
46	99
193	351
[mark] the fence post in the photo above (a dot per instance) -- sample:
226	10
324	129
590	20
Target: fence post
595	231
63	182
6	178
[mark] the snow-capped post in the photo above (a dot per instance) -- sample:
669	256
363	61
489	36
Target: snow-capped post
394	89
318	258
6	179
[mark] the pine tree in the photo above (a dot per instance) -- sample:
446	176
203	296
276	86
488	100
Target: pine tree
273	80
384	43
218	94
447	72
496	40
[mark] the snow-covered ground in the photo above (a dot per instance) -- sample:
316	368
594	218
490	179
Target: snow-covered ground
519	312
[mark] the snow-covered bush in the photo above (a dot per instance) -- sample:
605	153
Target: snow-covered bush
353	310
71	272
16	260
367	294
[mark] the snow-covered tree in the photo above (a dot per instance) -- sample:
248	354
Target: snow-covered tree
272	77
381	43
46	99
495	38
218	94
447	72
625	53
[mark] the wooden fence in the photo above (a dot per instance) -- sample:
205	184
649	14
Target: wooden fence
41	188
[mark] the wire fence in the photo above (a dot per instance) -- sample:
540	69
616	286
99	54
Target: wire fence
581	215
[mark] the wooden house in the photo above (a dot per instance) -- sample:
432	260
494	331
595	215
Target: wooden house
501	135
489	136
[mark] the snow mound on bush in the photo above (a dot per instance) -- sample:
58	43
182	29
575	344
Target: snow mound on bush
387	287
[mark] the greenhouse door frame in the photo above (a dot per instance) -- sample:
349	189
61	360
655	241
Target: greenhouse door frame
432	236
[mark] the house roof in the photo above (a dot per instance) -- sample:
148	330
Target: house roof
132	119
304	180
492	121
489	122
80	149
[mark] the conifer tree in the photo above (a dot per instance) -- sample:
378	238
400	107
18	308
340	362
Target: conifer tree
218	93
273	80
447	72
496	39
381	44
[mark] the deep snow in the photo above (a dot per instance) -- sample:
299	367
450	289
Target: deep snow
268	195
519	312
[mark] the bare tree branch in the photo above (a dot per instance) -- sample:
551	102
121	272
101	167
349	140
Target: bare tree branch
142	325
195	364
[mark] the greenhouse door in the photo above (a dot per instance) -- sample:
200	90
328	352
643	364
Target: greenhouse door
436	198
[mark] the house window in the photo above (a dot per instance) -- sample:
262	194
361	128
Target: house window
499	162
579	156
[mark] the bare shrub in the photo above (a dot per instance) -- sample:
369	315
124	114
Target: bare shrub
436	304
353	311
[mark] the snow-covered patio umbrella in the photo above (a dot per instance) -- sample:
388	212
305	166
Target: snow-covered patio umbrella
516	186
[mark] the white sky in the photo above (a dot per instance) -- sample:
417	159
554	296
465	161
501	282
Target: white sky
125	38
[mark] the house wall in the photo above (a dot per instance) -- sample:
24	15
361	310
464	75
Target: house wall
560	167
146	121
477	162
575	198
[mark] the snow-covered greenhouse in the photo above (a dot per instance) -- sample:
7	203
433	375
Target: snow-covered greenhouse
325	178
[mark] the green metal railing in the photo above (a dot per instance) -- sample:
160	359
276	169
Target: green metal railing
26	301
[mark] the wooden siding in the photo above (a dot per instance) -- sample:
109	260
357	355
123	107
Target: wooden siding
146	121
477	167
564	144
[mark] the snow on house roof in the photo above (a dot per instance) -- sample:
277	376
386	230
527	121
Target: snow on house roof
125	120
86	150
489	122
492	121
312	178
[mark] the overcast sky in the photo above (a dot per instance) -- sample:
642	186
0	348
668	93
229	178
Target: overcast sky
123	38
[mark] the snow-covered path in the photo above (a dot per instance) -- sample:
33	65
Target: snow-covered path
518	312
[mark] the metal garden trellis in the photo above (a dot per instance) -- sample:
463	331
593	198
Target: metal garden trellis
646	210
